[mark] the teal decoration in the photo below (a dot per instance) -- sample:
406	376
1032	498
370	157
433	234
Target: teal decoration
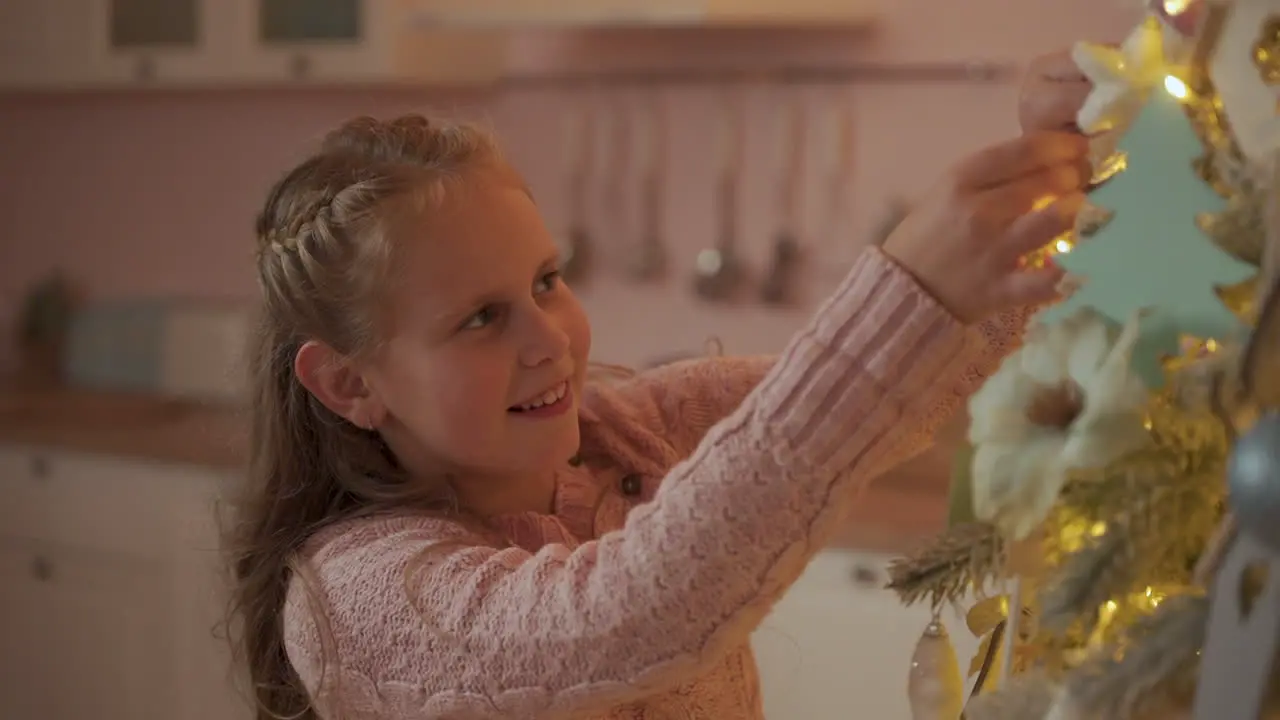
1151	254
960	494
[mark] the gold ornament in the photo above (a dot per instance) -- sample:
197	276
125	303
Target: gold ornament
934	687
1238	229
983	617
1204	108
1241	299
1266	51
1107	162
1192	351
1092	219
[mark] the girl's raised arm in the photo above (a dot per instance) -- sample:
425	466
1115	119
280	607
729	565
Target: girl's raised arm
409	618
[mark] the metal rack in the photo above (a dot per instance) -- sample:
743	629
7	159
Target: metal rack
978	72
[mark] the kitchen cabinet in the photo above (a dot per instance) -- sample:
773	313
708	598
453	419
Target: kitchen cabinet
655	13
358	41
143	42
110	591
85	44
838	645
111	586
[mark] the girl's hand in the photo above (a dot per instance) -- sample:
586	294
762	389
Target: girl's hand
1052	93
965	240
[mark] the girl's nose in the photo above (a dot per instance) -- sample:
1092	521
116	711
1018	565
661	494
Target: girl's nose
544	340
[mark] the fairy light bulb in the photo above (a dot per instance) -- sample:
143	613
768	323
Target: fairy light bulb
1175	7
1176	87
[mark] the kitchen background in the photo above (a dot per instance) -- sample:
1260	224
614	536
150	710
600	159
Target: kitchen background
137	177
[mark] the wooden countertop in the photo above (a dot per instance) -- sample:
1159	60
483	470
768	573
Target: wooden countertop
898	511
141	426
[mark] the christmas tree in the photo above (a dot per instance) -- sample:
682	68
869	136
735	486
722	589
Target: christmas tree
1092	509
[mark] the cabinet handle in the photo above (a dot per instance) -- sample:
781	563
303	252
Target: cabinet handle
144	70
300	67
41	569
865	576
40	467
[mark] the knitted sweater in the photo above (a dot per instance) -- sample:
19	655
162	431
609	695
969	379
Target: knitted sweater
703	490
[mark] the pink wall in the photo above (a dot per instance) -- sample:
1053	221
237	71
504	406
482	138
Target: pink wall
139	193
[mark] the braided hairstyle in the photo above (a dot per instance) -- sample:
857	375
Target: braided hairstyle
324	255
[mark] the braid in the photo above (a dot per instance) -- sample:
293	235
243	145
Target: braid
323	258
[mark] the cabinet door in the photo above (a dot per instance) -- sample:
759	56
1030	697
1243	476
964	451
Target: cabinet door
839	646
163	42
26	670
212	688
361	42
111	643
44	44
315	40
84	634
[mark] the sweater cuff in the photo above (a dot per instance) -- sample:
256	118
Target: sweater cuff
867	363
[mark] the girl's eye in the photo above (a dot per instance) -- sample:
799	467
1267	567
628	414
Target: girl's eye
484	317
547	282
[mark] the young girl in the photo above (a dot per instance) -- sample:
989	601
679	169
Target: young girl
448	521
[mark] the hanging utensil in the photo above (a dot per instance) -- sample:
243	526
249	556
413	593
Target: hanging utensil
719	270
616	171
838	224
579	141
778	287
649	260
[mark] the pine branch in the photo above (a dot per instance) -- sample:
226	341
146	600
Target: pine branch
963	557
1152	668
1088	578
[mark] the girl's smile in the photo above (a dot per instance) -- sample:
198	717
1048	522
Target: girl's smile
549	403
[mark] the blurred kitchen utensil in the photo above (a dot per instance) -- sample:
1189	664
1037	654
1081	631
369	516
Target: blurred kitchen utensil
838	225
649	260
579	143
719	269
778	287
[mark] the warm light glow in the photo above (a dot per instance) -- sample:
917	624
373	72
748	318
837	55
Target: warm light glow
1175	87
1175	7
1062	247
1098	529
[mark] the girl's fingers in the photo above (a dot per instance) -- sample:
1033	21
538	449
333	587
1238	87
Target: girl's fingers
1005	205
1053	105
1032	287
1057	66
1009	161
1036	229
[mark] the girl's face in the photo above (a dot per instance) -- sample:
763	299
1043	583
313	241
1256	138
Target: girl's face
487	352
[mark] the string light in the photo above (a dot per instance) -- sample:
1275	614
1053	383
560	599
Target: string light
1175	7
1176	87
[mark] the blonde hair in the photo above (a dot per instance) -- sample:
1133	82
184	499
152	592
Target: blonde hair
324	254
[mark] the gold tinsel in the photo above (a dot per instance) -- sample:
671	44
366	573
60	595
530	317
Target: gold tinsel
1152	667
1087	580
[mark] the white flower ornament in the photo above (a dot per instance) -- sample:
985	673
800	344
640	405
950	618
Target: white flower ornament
1066	401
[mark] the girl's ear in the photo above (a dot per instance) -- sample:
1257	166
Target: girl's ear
336	383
